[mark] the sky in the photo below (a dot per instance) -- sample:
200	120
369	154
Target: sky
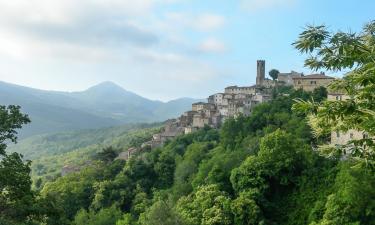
160	49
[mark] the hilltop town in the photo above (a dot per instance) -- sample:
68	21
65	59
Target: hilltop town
234	101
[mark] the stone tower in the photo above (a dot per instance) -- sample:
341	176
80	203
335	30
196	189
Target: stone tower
261	72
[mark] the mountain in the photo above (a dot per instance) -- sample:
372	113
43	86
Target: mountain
102	105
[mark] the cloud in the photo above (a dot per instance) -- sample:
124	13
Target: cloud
208	22
212	45
259	5
205	22
125	40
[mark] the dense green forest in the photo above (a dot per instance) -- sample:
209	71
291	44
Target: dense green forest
270	168
51	152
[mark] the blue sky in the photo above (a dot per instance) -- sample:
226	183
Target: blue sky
160	49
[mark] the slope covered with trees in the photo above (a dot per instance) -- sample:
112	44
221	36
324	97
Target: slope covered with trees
259	169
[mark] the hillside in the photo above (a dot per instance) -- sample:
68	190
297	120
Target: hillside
50	153
59	143
103	105
259	169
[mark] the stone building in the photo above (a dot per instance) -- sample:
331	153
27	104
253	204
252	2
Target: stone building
310	82
240	90
287	78
342	138
202	106
339	137
216	99
200	120
187	118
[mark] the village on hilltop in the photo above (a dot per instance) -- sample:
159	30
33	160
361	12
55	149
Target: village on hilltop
233	102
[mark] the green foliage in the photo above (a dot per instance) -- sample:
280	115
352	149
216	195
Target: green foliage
274	73
245	209
161	212
258	169
15	183
48	168
207	206
353	200
108	154
338	51
72	192
106	216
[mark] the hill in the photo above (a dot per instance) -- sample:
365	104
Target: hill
103	105
50	153
55	144
259	169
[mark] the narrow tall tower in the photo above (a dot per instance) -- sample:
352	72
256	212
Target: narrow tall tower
261	72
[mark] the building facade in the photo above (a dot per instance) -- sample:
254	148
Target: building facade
310	82
287	78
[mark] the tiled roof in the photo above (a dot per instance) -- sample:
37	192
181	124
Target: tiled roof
314	76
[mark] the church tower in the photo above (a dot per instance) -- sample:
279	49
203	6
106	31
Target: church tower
261	72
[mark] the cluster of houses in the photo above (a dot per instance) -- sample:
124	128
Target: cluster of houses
232	102
235	101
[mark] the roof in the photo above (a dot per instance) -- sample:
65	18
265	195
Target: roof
253	86
314	76
199	103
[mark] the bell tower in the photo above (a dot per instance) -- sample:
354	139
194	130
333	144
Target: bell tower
261	72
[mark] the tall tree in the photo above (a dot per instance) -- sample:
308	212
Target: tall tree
16	196
339	51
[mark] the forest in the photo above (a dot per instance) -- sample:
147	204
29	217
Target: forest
272	167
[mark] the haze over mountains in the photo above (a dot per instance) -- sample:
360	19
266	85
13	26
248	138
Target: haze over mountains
103	105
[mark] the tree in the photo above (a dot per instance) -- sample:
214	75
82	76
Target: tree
207	206
16	197
339	51
161	212
274	74
352	201
277	161
107	155
107	216
245	210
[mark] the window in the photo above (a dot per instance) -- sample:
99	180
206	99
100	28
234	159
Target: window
337	134
313	82
299	82
365	135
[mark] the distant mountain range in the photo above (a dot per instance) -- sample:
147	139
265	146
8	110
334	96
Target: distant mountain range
103	105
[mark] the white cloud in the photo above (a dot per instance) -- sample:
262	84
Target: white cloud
123	40
212	45
258	5
204	22
208	22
